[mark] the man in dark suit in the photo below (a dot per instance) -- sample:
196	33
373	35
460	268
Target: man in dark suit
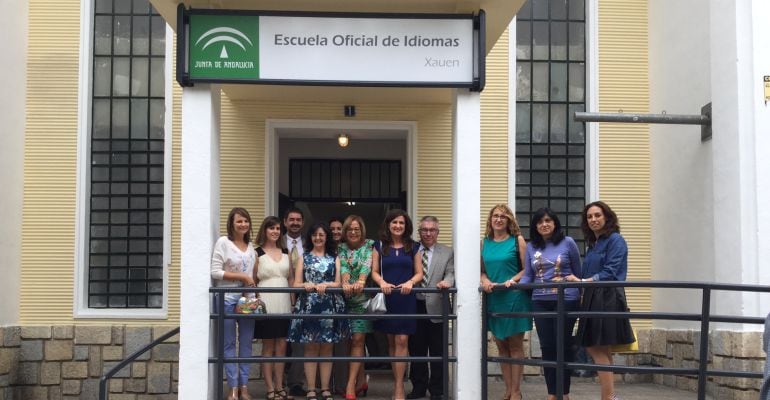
293	222
439	272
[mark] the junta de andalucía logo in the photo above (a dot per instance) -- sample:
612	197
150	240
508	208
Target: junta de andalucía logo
224	35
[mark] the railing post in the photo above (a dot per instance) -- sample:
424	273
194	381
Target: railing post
560	321
445	339
220	342
704	343
484	354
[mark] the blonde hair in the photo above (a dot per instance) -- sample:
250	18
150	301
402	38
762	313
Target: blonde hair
513	226
346	226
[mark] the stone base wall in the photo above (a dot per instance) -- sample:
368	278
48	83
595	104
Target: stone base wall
728	350
66	362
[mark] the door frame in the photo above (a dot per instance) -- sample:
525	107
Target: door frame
399	128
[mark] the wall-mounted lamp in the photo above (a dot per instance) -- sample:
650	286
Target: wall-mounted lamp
343	140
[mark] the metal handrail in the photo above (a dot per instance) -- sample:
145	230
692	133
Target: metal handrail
103	395
704	317
219	302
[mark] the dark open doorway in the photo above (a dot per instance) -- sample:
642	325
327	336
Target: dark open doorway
335	188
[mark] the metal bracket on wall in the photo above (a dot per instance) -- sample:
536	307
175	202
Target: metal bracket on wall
704	119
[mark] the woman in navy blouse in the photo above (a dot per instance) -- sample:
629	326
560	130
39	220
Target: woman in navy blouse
605	260
552	257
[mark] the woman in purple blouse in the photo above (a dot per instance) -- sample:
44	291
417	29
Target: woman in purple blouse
552	257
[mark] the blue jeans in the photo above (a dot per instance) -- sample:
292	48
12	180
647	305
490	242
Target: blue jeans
246	334
546	332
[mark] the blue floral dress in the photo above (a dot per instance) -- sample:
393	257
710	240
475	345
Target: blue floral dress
318	270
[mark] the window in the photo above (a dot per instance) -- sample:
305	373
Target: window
126	188
550	87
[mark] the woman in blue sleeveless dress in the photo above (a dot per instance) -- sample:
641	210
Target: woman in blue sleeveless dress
502	253
396	265
318	269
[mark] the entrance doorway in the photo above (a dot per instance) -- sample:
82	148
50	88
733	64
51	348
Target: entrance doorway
369	177
336	188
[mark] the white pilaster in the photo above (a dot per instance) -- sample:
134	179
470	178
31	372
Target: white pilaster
739	29
200	220
13	20
760	42
466	175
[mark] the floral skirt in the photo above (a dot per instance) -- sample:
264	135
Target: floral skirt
319	330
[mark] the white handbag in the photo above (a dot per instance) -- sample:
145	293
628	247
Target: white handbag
376	305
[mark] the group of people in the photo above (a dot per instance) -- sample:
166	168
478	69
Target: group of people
339	255
333	255
552	256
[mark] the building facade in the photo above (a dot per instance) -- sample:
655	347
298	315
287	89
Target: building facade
117	179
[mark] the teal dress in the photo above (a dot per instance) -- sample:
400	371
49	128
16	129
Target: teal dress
501	262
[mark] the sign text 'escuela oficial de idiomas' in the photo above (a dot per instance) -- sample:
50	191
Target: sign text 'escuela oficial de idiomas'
330	49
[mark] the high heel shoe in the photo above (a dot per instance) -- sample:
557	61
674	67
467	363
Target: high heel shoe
362	390
283	394
233	394
350	397
245	393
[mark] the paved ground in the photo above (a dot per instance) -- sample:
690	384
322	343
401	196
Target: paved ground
380	388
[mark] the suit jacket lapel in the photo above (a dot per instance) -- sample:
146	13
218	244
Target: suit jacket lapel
434	262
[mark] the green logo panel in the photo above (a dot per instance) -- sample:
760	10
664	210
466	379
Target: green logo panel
224	47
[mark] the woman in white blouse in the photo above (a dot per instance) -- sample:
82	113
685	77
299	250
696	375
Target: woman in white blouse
232	265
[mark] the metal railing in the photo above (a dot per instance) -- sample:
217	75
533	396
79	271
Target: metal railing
219	304
705	318
103	395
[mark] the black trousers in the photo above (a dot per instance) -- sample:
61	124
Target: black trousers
546	332
426	341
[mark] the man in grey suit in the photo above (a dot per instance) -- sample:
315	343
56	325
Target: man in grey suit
439	272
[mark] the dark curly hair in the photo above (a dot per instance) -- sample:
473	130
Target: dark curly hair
330	246
611	224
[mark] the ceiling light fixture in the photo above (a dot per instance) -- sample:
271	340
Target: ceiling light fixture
343	140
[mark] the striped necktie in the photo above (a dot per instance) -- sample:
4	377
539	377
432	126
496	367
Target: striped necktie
294	255
425	267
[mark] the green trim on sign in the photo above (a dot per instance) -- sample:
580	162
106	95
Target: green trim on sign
224	47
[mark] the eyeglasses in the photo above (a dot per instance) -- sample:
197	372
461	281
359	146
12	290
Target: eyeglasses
499	216
356	230
430	231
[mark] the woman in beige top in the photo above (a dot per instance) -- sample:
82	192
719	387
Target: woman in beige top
273	269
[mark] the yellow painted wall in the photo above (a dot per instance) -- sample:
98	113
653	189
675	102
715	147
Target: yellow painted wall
494	130
48	233
624	149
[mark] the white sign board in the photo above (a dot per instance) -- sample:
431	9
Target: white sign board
366	49
234	46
